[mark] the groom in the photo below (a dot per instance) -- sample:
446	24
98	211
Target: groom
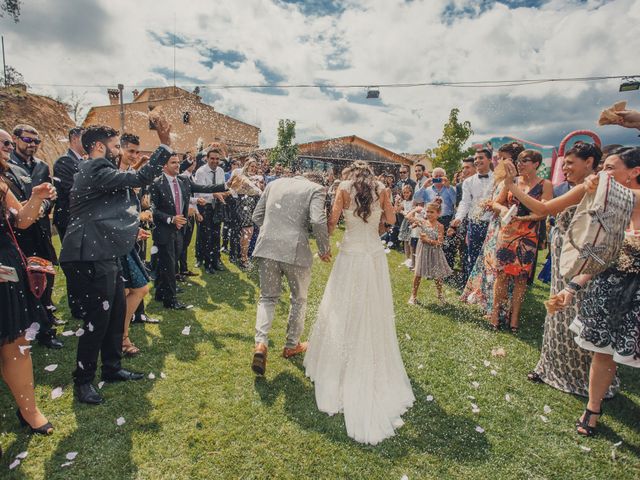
286	209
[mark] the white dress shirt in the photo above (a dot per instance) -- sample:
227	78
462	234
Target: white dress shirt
205	176
474	191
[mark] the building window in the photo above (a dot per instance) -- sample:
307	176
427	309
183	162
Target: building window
185	118
151	124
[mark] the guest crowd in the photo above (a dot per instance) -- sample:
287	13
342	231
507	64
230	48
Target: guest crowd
480	232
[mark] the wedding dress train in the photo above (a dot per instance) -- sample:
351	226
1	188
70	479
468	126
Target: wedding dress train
353	356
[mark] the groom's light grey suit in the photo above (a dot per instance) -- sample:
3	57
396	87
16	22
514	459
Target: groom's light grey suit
286	210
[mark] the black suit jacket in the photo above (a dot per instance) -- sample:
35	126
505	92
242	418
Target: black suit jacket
104	219
35	240
63	171
164	208
39	173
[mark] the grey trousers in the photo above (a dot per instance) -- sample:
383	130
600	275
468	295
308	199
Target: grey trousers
299	278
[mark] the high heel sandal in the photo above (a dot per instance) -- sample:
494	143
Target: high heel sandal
46	429
129	349
588	430
534	377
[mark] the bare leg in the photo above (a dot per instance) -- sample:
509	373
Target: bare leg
416	285
245	239
519	290
499	296
407	249
133	298
438	283
601	375
17	371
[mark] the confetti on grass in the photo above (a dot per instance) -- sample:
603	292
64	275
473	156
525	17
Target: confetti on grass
186	330
71	455
120	421
51	368
56	393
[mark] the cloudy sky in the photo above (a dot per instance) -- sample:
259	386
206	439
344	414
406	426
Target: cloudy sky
93	44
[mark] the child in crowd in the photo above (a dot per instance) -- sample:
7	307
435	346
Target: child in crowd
404	205
430	261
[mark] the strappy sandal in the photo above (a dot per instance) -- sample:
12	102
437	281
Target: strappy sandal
46	429
587	430
534	377
129	349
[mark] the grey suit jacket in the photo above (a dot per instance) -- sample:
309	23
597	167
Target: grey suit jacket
286	210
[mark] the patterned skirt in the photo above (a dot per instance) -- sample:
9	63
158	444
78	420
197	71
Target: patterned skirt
608	319
404	234
431	262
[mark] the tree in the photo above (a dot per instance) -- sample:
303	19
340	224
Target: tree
76	105
11	8
285	152
450	152
13	77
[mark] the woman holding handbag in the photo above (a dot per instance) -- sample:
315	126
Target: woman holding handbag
20	309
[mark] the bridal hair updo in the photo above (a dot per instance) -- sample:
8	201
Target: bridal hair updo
366	187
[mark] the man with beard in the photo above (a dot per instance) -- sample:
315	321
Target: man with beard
103	227
36	240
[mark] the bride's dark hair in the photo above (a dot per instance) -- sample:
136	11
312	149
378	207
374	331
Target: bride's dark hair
365	184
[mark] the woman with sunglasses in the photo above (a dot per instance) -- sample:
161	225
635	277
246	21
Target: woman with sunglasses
517	241
20	309
562	364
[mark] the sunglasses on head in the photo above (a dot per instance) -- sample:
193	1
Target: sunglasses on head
8	143
29	140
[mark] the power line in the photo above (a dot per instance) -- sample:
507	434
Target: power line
460	84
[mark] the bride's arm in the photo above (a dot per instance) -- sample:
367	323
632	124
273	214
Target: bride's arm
336	211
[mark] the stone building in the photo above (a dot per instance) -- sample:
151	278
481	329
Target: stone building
193	122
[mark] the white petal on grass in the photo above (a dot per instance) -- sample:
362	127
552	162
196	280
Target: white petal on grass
66	464
547	409
407	336
585	449
544	419
474	408
429	398
100	385
14	464
79	332
51	368
163	375
71	455
616	445
22	455
404	477
151	376
479	429
189	307
475	384
186	330
56	393
507	397
120	421
68	333
493	372
486	363
420	367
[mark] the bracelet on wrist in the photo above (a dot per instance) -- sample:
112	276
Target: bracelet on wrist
576	287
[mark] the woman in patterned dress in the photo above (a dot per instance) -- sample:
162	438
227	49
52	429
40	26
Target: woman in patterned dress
608	319
479	287
562	364
517	243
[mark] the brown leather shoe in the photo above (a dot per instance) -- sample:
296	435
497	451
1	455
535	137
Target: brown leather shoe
259	363
291	352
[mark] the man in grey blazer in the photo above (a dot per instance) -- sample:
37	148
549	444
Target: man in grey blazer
286	210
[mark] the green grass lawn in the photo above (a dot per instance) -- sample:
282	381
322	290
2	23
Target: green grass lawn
210	417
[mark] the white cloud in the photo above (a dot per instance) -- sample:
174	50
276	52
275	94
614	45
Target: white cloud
381	41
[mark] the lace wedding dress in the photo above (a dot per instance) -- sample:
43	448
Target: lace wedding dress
353	356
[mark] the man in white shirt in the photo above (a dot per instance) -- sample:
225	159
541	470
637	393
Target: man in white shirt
212	211
476	190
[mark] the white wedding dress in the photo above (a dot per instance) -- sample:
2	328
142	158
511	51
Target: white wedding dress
353	356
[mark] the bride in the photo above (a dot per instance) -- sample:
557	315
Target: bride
353	356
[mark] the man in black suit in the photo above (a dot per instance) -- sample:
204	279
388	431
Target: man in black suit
36	240
103	227
170	195
64	169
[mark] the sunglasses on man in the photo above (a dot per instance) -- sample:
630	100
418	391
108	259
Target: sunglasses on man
29	140
8	143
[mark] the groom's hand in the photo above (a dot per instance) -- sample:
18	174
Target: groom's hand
326	257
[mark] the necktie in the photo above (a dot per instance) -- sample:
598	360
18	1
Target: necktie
483	176
176	197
